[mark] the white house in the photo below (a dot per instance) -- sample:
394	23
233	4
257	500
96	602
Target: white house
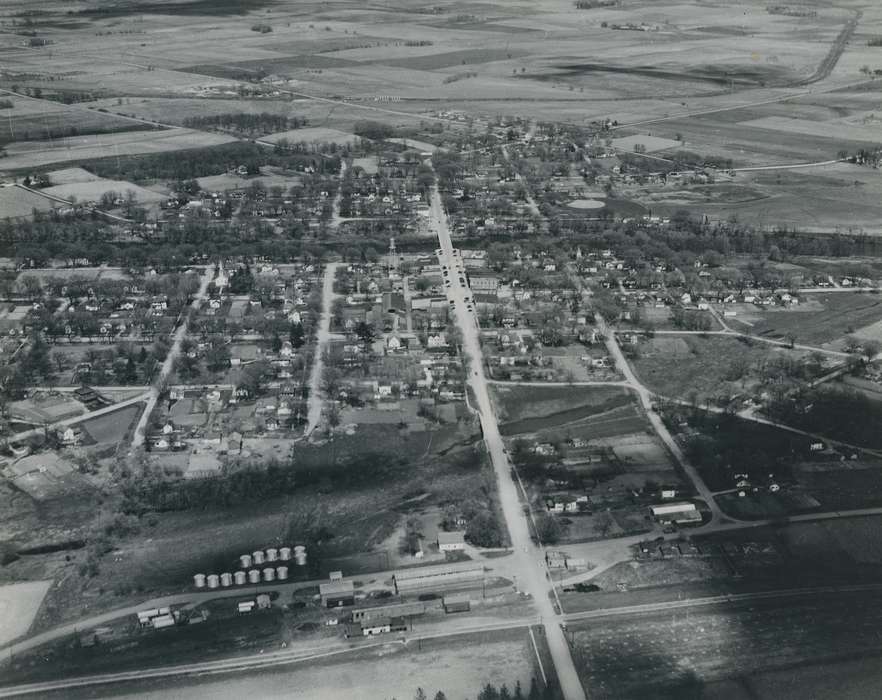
451	541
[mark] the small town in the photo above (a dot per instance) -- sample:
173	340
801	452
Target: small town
403	352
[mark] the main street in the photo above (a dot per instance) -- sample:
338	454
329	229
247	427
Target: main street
528	559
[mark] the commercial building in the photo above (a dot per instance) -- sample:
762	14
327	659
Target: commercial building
441	577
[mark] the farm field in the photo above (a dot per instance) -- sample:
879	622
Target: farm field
34	154
718	652
16	202
19	603
91	191
518	402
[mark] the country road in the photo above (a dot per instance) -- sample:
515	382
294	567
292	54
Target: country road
528	559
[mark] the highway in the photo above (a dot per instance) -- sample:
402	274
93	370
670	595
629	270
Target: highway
528	559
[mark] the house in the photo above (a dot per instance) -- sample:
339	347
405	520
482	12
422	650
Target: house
336	594
69	436
451	541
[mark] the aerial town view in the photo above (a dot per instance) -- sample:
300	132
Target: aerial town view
441	349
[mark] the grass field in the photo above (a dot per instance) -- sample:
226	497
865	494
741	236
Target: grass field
519	402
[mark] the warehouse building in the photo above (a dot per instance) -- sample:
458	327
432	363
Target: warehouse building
394	610
676	513
336	594
440	577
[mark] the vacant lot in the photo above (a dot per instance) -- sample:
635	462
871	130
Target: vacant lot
704	365
19	603
112	427
519	402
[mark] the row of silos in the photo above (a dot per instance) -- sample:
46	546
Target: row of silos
239	578
259	556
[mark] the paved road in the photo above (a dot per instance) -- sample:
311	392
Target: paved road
527	559
169	364
323	336
646	400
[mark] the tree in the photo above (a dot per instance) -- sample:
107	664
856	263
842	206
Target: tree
296	335
217	357
365	333
548	529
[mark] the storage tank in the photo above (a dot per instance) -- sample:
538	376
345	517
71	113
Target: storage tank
300	555
272	554
213	580
199	580
269	574
226	580
239	577
254	576
285	554
257	557
281	572
245	561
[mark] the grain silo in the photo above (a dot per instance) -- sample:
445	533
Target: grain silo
254	576
272	554
226	580
199	580
213	580
285	554
239	577
300	555
257	557
281	572
245	561
269	574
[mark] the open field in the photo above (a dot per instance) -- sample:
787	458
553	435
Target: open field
717	651
35	154
678	366
839	315
19	603
460	666
519	402
91	191
16	202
